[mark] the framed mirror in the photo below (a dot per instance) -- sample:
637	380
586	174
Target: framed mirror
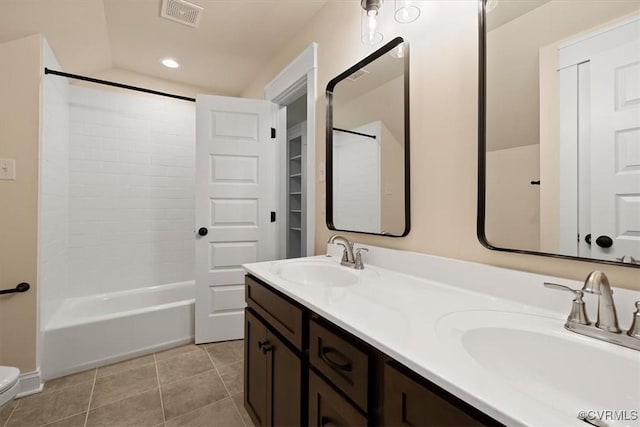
559	128
368	144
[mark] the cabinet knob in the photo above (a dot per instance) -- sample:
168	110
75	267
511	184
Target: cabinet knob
266	348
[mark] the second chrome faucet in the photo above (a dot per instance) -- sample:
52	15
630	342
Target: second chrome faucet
606	326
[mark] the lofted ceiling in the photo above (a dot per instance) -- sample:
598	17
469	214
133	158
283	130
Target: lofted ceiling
233	42
508	10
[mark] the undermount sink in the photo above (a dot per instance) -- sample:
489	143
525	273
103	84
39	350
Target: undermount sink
538	357
315	272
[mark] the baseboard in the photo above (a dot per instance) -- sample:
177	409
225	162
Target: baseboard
30	383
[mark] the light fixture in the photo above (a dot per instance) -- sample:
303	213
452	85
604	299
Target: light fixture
406	11
369	31
170	63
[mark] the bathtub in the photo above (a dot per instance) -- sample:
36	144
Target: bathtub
97	330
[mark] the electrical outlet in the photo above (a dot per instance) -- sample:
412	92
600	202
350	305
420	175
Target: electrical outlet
7	169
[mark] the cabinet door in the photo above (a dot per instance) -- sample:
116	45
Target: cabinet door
255	369
410	402
327	408
284	381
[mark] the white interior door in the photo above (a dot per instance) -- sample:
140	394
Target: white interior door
236	191
615	151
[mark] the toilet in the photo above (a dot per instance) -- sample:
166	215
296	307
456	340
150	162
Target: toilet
9	384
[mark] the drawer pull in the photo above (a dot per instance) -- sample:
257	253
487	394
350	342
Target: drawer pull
326	422
324	354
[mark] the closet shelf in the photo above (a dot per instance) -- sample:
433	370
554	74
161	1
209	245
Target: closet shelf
298	157
295	175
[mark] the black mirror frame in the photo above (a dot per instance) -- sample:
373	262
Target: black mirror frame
482	157
329	137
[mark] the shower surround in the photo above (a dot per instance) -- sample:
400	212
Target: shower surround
117	217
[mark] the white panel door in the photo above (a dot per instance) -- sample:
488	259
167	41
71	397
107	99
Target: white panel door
236	191
615	151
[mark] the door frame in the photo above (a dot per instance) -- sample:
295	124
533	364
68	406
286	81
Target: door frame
300	76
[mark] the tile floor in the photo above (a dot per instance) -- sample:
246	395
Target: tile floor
192	385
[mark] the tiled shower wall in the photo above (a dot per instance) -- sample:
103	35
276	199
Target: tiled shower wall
131	191
54	191
357	206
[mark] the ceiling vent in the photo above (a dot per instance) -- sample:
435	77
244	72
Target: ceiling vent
358	74
182	11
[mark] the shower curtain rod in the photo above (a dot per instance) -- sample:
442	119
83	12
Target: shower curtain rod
355	133
114	84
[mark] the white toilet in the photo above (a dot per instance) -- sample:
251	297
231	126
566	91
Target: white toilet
9	384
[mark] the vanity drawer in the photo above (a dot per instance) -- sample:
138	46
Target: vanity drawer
327	408
283	315
344	364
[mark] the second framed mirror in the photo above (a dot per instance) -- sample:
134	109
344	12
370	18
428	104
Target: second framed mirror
368	144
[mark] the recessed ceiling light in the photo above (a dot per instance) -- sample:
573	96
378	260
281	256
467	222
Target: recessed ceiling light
170	62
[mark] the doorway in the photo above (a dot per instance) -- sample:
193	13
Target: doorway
294	90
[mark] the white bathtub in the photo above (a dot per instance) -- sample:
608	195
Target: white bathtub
101	329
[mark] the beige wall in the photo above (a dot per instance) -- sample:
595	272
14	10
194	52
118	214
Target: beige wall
19	139
444	67
141	80
384	103
513	204
392	218
549	150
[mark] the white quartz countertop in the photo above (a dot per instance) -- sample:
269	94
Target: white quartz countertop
407	316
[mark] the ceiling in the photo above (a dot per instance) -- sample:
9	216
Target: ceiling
508	10
234	40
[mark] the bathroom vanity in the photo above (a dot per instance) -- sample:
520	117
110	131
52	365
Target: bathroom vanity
302	369
420	340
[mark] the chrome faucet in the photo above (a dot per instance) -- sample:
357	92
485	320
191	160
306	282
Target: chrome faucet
606	327
348	257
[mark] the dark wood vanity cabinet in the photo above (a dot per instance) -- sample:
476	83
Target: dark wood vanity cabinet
303	370
273	369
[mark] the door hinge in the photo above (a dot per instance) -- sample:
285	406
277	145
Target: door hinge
273	133
273	216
